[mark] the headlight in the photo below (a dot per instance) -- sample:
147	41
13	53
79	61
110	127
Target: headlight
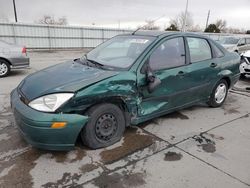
49	103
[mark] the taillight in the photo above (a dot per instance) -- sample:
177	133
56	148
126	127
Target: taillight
24	50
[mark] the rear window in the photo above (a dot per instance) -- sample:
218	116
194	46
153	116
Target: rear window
217	52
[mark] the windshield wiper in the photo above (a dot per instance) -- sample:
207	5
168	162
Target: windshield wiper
95	63
85	61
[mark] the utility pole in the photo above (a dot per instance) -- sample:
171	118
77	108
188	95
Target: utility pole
14	5
185	19
208	14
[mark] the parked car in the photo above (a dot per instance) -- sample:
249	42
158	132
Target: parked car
235	44
125	81
245	64
12	57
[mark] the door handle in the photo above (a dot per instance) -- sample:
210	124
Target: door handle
180	73
213	65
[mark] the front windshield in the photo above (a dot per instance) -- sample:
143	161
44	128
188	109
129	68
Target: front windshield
229	40
120	51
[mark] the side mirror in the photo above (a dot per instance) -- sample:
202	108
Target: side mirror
153	81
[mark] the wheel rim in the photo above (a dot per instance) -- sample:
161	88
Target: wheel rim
220	93
106	127
3	69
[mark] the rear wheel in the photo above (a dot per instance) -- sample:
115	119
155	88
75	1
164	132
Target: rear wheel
4	68
219	94
105	127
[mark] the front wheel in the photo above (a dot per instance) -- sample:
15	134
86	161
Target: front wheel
105	127
4	68
219	94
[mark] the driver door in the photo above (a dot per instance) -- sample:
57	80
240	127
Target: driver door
168	63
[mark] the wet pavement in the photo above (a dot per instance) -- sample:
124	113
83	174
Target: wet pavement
195	147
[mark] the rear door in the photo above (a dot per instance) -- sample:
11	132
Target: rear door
203	68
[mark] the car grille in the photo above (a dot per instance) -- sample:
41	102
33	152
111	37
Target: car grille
247	70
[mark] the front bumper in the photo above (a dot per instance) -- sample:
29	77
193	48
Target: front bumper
244	68
36	126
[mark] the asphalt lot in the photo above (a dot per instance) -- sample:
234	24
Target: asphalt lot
196	147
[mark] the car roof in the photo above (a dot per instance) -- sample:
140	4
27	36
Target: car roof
154	33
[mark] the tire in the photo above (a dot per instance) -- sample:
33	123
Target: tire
217	101
4	68
105	127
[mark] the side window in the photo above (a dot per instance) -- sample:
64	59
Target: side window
242	42
248	40
169	54
217	51
199	49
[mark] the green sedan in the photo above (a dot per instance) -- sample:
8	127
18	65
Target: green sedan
125	81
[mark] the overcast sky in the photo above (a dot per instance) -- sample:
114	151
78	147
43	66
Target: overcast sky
130	13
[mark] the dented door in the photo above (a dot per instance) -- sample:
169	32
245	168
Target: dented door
168	63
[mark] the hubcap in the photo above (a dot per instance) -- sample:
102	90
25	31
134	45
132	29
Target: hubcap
220	93
3	69
106	127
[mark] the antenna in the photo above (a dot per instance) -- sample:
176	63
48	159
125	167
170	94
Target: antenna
147	24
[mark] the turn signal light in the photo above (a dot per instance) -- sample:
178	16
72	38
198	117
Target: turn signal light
58	125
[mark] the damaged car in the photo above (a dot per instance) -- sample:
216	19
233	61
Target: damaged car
125	81
245	64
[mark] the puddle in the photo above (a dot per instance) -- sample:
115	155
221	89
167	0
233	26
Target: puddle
19	175
67	177
217	137
88	168
172	156
246	116
172	137
230	111
71	156
209	147
132	142
207	144
117	180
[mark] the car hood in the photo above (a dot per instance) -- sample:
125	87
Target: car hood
65	77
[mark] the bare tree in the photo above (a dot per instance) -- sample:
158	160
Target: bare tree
150	25
179	21
195	28
48	19
221	25
235	30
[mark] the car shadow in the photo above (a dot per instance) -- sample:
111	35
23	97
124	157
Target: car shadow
17	72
